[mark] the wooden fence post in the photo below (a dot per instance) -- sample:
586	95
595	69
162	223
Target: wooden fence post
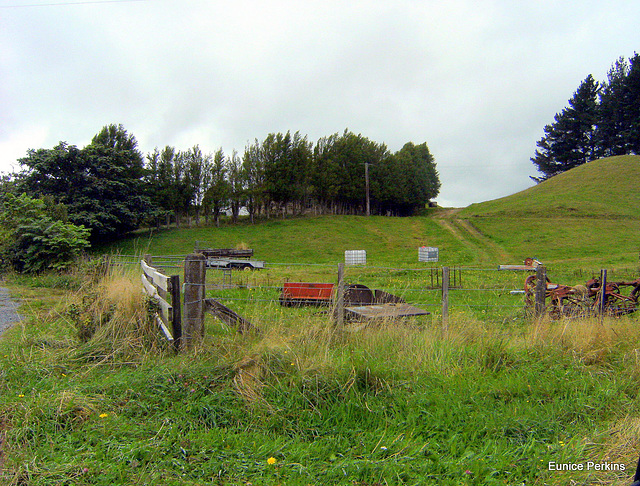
541	290
445	298
602	301
339	310
194	292
177	314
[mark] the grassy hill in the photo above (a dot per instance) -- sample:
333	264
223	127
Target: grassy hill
586	217
311	240
605	188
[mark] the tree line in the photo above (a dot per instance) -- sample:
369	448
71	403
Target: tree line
602	120
287	174
110	188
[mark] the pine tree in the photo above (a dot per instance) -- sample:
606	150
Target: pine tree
632	105
571	140
612	127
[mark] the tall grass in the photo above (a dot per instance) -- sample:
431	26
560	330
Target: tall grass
391	402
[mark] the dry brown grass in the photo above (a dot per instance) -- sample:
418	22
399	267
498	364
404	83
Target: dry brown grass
590	341
113	319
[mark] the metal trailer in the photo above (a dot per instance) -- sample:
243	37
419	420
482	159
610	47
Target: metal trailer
225	253
229	258
234	263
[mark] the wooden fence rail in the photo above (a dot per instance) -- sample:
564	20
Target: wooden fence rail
165	291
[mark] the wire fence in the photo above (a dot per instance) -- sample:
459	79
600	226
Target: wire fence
488	294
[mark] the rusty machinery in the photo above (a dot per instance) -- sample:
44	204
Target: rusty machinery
585	300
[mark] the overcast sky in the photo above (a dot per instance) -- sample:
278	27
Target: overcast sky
477	80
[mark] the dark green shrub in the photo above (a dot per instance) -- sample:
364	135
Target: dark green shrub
34	236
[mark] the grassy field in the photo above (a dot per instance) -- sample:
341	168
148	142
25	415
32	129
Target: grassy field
389	404
310	240
90	394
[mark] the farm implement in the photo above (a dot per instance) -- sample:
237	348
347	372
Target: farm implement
360	302
585	300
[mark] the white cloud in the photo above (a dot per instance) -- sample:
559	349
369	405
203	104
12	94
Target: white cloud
476	81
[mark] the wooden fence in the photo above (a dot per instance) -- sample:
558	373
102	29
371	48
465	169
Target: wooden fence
182	323
165	291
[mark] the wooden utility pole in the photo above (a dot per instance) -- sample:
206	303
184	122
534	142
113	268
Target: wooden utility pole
366	182
194	291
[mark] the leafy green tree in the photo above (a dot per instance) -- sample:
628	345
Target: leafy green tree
632	105
325	178
406	181
279	176
602	120
612	126
350	154
101	184
153	187
217	192
237	194
33	237
196	170
571	140
286	161
253	178
8	184
301	163
181	187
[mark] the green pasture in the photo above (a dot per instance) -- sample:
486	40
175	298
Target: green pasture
91	394
302	403
323	239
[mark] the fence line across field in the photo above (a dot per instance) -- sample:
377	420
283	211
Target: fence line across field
449	294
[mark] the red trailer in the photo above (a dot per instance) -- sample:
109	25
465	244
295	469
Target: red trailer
306	293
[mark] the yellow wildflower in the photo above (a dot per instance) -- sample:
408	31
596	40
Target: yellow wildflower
103	415
271	461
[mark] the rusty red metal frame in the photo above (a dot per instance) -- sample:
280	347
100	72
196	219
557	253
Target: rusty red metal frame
582	300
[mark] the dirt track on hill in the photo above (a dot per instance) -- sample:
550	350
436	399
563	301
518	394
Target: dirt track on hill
486	249
8	310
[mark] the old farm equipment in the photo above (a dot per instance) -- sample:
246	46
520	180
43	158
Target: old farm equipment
614	301
585	300
360	302
306	293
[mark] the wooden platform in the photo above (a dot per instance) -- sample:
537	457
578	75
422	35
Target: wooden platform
383	311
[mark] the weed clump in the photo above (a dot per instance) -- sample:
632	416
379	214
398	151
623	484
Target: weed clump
113	318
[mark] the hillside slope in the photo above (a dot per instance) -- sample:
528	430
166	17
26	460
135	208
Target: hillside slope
605	188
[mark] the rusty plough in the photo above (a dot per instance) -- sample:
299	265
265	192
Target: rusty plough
585	300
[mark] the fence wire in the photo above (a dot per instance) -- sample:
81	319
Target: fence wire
485	293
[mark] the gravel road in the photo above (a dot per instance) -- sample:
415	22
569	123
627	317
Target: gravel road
8	310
